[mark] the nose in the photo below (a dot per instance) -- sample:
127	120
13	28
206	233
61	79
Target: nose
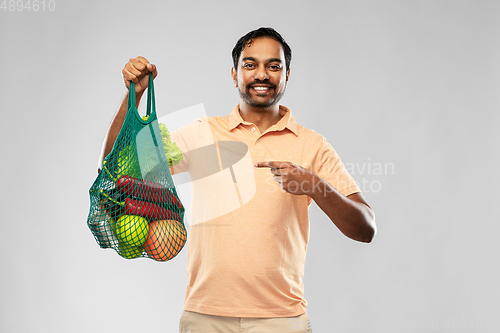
261	73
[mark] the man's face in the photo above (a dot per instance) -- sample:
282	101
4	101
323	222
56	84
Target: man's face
261	77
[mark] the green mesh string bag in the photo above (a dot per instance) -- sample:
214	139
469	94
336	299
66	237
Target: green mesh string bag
134	206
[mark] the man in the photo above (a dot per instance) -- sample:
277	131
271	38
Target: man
245	267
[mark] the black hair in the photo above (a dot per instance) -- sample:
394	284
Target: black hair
261	32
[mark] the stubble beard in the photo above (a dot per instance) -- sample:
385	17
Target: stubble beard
247	98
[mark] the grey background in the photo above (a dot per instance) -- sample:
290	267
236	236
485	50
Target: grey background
411	85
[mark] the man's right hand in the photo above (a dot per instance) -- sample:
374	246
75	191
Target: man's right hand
137	70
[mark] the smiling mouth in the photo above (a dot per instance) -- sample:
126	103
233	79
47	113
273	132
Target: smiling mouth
261	89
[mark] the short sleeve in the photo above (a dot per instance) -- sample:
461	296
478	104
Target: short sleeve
330	168
188	138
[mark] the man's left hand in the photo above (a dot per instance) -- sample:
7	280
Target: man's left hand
291	177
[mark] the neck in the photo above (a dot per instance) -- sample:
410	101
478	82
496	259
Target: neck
263	118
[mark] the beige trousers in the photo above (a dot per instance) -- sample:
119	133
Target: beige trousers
193	322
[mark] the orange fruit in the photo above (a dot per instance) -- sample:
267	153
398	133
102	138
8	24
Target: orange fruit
165	240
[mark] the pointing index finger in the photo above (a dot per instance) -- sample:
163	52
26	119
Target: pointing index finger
262	165
269	164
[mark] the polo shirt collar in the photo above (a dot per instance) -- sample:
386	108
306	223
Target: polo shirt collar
287	121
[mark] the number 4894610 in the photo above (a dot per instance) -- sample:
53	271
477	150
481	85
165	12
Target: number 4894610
30	5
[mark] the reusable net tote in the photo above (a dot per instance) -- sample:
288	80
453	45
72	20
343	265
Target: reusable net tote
134	206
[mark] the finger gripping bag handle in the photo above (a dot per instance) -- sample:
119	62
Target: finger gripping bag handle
151	98
134	205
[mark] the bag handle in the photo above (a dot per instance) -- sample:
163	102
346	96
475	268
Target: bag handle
151	96
151	103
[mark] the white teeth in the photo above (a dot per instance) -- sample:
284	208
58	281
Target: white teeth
260	88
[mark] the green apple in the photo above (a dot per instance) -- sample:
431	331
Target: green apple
129	252
132	229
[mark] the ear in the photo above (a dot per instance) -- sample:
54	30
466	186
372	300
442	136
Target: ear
287	75
235	76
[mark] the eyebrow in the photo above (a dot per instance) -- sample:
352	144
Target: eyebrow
268	60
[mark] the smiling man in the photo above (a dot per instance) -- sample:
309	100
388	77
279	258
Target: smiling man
263	71
246	267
